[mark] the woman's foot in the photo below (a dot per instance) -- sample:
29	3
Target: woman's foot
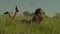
6	12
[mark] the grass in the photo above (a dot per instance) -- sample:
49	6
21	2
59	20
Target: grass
47	26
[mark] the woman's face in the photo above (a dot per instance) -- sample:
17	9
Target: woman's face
39	11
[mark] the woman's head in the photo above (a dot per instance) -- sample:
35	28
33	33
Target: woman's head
38	11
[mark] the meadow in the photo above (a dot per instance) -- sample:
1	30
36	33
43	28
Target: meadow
47	26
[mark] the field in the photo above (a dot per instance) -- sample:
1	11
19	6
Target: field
47	26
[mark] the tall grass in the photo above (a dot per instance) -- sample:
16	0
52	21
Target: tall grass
47	26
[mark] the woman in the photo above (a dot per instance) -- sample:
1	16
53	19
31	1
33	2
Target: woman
37	16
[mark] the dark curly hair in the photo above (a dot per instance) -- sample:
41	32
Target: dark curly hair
37	15
38	11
